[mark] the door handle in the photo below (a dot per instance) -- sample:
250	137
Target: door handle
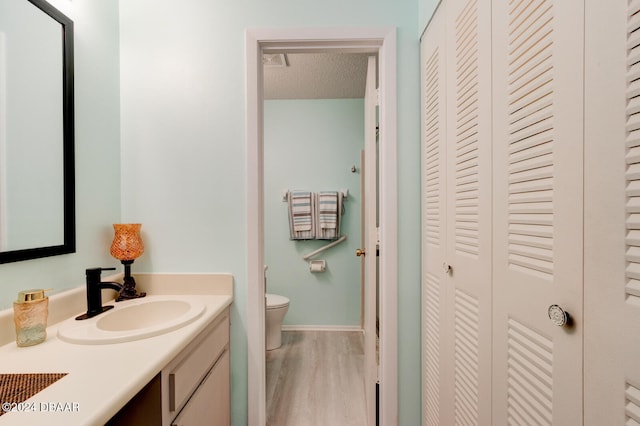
360	252
447	268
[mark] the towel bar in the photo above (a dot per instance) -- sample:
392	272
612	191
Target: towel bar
285	194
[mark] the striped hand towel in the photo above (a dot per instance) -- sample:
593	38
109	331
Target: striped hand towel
328	210
301	217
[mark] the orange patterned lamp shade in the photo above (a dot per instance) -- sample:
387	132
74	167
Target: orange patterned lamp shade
127	243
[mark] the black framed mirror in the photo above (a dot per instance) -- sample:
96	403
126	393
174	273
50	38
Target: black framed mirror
37	174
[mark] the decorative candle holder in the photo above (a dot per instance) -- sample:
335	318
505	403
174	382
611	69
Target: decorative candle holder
127	246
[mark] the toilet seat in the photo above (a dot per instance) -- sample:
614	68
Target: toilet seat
275	301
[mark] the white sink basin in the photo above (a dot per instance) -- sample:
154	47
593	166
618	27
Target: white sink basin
133	320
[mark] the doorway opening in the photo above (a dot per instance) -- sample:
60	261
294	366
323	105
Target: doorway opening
381	41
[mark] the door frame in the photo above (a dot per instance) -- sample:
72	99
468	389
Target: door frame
381	40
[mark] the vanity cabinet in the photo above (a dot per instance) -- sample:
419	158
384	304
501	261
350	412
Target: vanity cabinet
193	389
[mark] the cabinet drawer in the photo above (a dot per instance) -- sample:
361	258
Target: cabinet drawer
189	371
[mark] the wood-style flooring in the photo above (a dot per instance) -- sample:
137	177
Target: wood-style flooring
315	379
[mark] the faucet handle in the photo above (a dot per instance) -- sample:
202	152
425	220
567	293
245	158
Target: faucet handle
94	270
94	273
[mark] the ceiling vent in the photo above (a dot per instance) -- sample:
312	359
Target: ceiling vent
274	60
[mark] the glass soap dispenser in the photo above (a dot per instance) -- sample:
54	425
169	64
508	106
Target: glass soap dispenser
30	313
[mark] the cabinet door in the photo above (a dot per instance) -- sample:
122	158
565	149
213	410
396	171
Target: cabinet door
211	403
538	204
612	213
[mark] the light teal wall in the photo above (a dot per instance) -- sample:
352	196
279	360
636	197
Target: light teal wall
312	145
184	147
427	7
97	155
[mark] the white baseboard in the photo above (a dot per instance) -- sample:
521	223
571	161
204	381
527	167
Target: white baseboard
321	328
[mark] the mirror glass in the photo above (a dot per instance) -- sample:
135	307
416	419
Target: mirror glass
37	216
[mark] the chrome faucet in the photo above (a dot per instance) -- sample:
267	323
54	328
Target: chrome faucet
94	292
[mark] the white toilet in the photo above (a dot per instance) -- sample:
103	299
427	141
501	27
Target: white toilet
277	307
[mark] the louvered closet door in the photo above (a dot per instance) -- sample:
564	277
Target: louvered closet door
469	251
456	143
436	365
612	213
538	205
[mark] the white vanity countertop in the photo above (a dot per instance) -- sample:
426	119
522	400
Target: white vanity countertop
101	379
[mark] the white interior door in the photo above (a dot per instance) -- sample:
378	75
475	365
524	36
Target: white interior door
537	210
612	213
363	231
370	242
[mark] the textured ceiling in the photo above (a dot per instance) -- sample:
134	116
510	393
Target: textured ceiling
315	76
